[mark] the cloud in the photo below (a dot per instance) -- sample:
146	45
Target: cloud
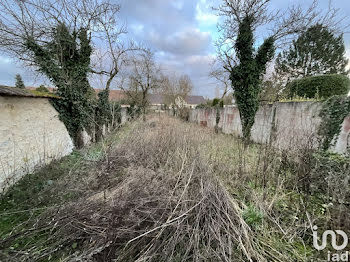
200	64
137	28
178	4
196	66
347	54
9	69
204	14
188	42
163	16
179	32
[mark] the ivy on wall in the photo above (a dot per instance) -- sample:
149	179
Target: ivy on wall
333	112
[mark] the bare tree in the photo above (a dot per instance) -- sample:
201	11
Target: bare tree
36	19
168	89
185	86
144	76
114	53
173	86
221	76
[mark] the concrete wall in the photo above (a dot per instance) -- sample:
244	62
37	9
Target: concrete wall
30	135
123	116
285	125
88	137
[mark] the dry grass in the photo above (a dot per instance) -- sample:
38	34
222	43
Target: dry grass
172	191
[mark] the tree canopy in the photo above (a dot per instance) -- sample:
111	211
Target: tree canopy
316	51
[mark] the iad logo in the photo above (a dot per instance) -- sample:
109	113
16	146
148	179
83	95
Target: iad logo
335	256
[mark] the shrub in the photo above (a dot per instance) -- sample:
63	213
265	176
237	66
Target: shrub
212	103
322	86
133	111
184	113
42	89
330	178
252	216
215	101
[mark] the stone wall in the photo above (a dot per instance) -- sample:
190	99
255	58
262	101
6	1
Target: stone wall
31	135
283	124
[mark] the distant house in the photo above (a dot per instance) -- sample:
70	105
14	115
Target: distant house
114	95
156	100
193	101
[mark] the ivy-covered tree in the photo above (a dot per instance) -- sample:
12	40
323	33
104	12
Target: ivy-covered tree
65	61
103	111
246	75
316	51
19	82
247	22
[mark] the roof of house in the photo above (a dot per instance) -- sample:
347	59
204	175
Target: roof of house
13	91
114	95
195	100
117	95
155	99
190	100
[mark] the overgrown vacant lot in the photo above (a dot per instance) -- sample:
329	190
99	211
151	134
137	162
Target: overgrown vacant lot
166	190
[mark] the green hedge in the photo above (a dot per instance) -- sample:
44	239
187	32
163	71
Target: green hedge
322	86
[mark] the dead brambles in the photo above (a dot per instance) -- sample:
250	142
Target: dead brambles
172	191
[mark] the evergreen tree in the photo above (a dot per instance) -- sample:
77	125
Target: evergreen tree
316	51
246	75
19	82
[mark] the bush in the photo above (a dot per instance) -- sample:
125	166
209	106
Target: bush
42	89
215	101
252	216
184	113
330	177
203	105
322	86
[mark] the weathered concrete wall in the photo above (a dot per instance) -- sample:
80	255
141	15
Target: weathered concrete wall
285	125
90	136
123	116
31	135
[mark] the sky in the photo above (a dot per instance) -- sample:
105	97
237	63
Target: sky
181	33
